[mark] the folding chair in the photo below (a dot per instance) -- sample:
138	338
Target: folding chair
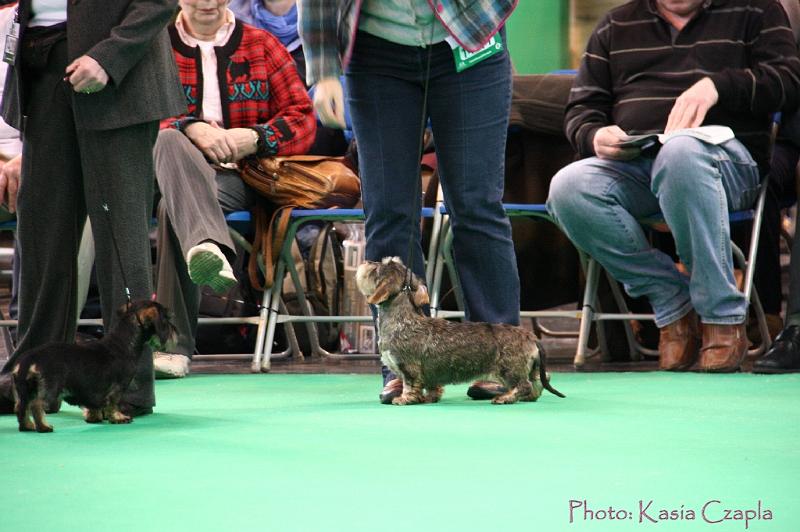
446	260
746	264
240	224
272	311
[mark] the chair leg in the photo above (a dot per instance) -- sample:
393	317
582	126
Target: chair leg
587	311
634	348
751	293
450	261
272	319
263	326
293	347
436	284
433	248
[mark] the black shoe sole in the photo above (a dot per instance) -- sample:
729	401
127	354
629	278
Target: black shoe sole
480	393
386	398
775	371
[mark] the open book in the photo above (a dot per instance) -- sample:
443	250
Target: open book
708	134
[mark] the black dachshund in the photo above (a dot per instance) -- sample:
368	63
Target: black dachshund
93	375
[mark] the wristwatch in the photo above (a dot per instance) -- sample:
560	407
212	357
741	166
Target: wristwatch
255	139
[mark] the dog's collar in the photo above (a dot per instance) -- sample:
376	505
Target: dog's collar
409	292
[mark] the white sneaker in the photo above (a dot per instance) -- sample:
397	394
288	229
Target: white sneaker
170	365
208	266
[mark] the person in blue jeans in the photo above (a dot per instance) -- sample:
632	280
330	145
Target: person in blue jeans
650	67
387	50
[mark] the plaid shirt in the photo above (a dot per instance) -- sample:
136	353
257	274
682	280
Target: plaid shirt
259	86
328	28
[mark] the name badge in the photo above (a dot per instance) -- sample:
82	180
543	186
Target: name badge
12	42
465	59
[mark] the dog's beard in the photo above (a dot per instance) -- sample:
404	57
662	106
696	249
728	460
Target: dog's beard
365	279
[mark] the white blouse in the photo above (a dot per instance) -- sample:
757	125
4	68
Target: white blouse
48	12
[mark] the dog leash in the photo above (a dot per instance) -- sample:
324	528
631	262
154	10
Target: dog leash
119	262
418	194
116	253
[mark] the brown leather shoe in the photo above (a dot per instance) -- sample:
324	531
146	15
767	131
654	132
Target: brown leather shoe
679	343
392	389
724	347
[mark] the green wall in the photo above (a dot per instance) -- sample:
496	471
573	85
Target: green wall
538	36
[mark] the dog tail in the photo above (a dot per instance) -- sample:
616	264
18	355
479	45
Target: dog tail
23	383
543	371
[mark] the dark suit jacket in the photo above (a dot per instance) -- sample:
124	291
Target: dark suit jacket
129	40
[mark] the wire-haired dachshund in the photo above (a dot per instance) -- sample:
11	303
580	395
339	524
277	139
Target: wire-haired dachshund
431	352
93	375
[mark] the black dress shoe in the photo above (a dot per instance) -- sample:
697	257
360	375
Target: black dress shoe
485	390
6	394
784	355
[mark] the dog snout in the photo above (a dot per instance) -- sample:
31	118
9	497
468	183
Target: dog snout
364	274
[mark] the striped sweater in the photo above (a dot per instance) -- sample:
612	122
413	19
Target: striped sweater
259	86
636	64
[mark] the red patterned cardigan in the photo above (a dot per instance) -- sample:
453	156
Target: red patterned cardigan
259	86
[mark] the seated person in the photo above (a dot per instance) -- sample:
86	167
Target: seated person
10	144
259	107
279	17
665	65
784	355
781	191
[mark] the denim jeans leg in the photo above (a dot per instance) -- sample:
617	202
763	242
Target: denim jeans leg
597	202
469	114
385	100
696	185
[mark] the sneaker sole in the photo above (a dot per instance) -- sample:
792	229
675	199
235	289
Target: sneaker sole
204	268
164	375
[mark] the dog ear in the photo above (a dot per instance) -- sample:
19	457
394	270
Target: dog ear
421	296
149	315
380	294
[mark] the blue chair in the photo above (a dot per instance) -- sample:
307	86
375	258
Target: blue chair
446	260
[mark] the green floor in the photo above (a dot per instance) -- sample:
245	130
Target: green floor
318	453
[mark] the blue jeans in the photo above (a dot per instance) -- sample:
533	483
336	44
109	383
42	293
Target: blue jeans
694	185
469	116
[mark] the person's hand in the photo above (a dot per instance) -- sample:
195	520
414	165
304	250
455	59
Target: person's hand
86	75
216	143
606	144
9	182
245	140
692	105
329	102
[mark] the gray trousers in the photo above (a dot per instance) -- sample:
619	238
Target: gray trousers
67	173
195	198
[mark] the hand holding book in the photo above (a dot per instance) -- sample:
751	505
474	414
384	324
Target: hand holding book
707	134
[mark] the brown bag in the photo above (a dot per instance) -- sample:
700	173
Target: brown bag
297	181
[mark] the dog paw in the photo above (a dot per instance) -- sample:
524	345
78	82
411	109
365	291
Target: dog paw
119	418
92	416
26	428
503	400
44	428
407	400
